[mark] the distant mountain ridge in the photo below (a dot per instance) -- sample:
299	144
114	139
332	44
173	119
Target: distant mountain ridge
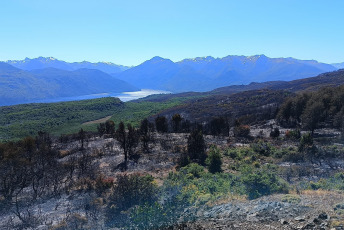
41	78
47	62
339	65
204	74
328	79
19	86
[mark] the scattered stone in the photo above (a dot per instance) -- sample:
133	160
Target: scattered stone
300	218
252	218
323	216
283	221
309	226
317	221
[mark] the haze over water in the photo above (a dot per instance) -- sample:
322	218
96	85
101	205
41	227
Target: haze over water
124	96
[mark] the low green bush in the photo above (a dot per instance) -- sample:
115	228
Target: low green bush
335	182
129	191
262	148
262	181
290	198
214	160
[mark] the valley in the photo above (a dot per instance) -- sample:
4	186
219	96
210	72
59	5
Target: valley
257	156
44	80
171	115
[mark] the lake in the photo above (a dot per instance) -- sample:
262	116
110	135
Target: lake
124	96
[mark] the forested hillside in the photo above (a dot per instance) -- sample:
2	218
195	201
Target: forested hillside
56	118
311	110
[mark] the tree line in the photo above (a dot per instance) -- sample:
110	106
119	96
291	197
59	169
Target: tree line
311	110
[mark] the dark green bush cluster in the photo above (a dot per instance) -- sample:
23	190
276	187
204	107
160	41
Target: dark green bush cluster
262	181
198	187
242	131
275	133
332	183
262	148
293	134
214	160
129	190
197	147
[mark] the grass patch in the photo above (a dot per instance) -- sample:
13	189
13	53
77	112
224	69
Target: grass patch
291	198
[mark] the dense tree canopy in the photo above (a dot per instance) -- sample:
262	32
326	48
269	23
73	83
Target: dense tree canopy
314	109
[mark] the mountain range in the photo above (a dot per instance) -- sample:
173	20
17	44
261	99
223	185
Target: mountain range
29	80
20	86
47	62
203	74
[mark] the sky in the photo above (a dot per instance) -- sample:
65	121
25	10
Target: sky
132	31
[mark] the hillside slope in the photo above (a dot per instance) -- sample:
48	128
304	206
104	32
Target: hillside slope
19	121
334	78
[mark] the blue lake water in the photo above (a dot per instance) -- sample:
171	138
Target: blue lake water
125	96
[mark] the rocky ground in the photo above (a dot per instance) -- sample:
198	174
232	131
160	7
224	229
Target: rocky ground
314	210
308	210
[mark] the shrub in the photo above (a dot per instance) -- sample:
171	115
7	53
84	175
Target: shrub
154	216
293	134
194	169
335	182
129	190
194	186
214	160
241	131
183	160
232	153
75	221
294	156
290	198
256	164
196	147
262	148
307	147
161	124
339	209
275	133
102	184
263	181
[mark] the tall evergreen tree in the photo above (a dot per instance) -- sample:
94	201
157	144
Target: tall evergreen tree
161	124
176	120
196	147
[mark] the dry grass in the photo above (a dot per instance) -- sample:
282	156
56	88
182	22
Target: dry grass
64	153
319	192
227	199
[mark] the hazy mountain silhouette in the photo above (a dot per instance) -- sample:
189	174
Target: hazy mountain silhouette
46	62
339	65
20	86
202	74
50	78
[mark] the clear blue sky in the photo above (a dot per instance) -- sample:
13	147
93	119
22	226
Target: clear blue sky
129	32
